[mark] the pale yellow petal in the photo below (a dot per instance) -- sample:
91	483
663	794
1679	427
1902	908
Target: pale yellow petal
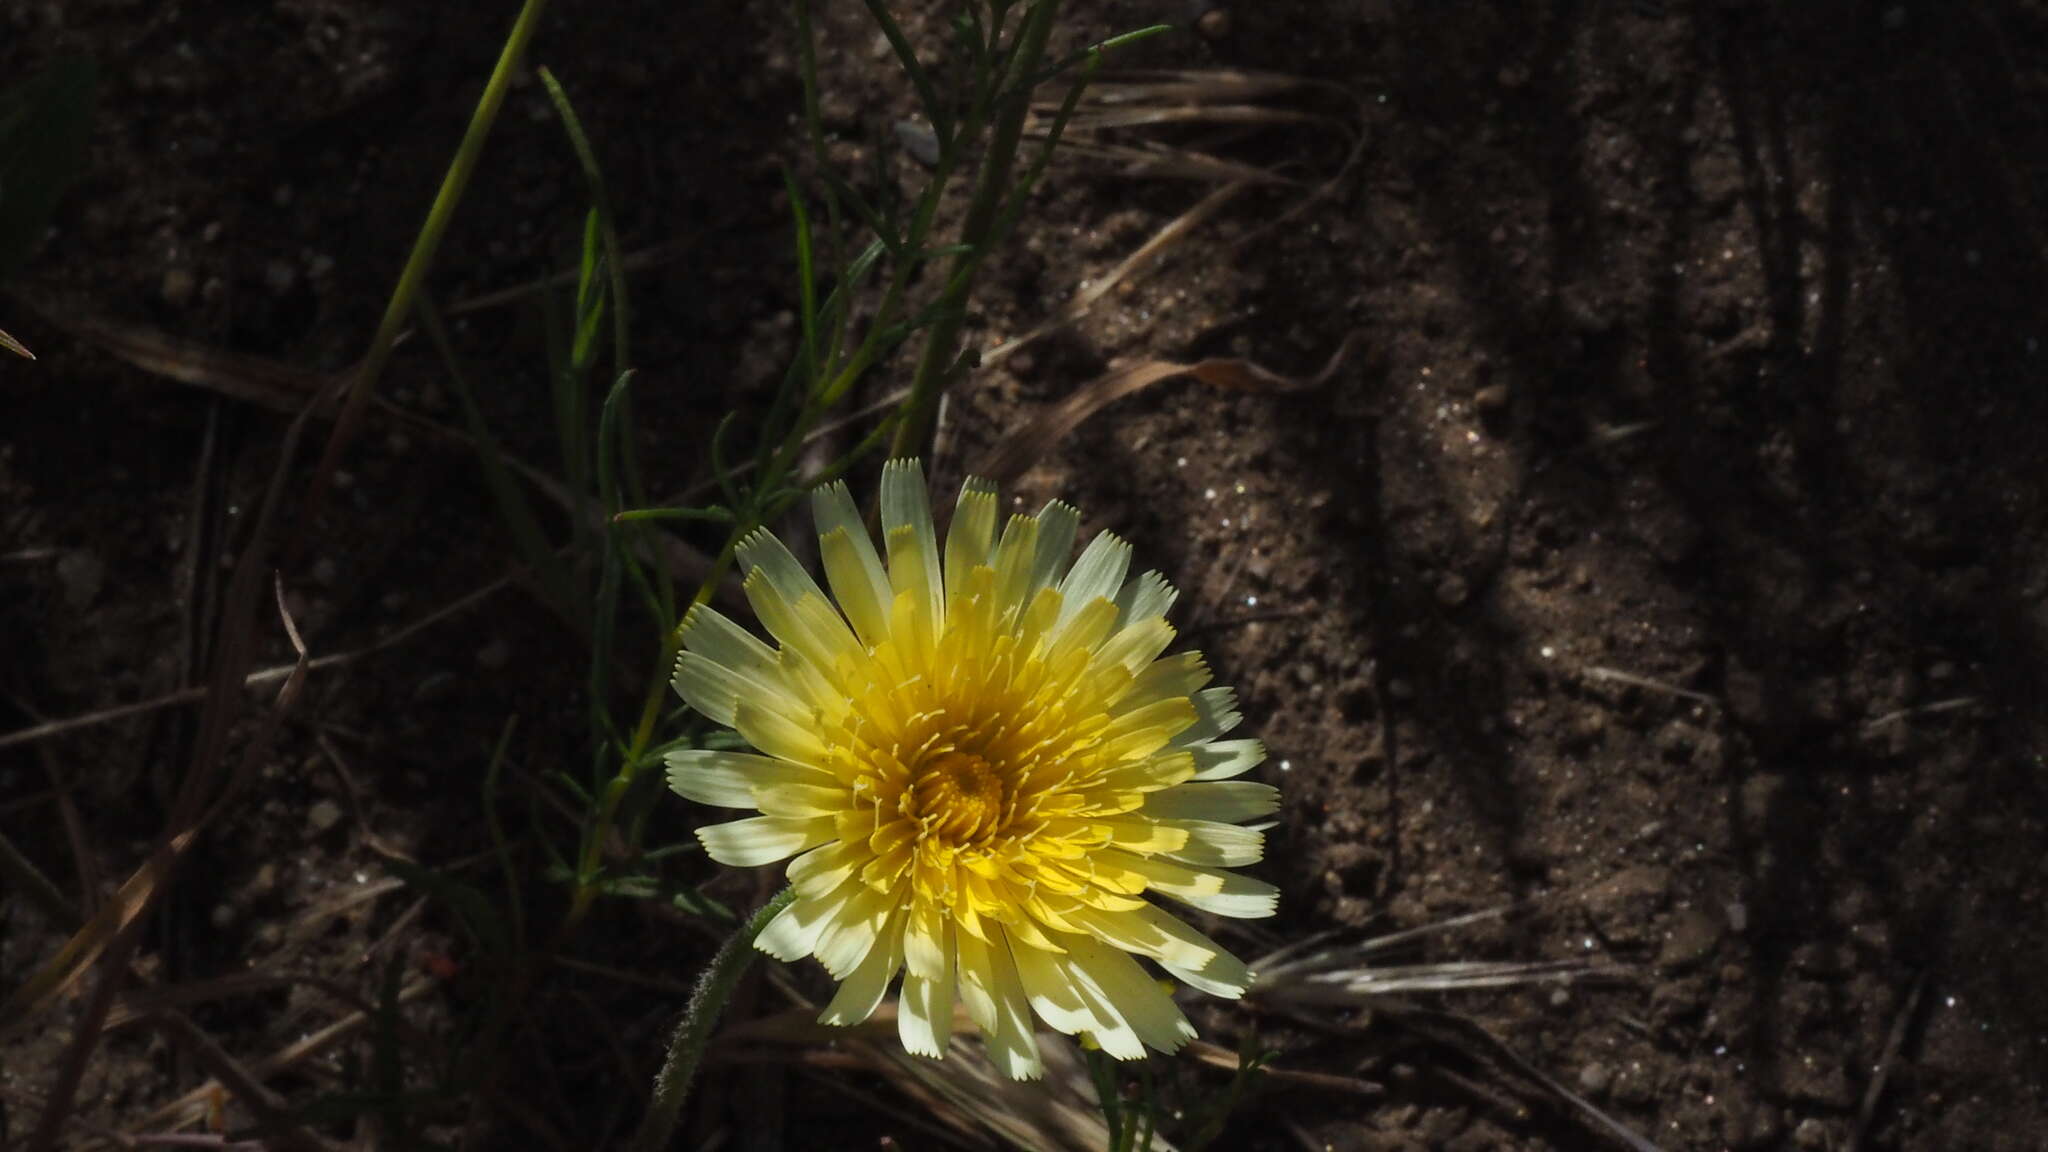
924	1015
1051	992
1181	674
823	870
913	544
708	633
1213	890
1097	575
809	625
1219	974
735	779
1149	932
863	988
1136	735
793	933
1217	845
1143	835
1223	759
763	839
1134	997
1224	801
1133	647
827	799
970	540
715	689
762	551
861	597
1014	557
1057	523
924	940
995	999
853	935
851	565
777	735
1147	596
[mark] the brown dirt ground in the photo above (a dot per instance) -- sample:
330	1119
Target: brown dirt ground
1671	554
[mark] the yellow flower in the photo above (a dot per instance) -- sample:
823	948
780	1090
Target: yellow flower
986	765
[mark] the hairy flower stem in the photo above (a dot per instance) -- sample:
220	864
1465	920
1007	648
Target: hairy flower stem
977	234
693	1032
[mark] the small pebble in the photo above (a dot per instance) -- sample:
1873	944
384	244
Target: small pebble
323	815
1452	590
919	140
494	656
1594	1079
82	576
1689	940
436	686
280	277
179	286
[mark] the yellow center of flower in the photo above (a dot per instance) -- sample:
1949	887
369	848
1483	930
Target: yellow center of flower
959	797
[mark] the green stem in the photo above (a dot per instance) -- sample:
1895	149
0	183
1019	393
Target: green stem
643	737
414	274
942	344
707	1003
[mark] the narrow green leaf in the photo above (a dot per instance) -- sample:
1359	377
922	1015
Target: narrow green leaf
935	110
716	514
513	506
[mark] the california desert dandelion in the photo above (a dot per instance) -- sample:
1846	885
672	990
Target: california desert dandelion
983	765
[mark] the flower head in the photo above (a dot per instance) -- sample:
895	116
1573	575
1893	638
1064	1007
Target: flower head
984	766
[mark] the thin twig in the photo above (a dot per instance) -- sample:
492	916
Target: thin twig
1882	722
1866	1116
272	1113
1618	676
257	679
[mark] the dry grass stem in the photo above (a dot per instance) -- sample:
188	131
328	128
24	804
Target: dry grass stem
261	677
191	1108
1618	676
1030	441
1146	255
1895	1040
1956	704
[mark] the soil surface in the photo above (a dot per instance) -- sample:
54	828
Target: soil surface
1666	558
